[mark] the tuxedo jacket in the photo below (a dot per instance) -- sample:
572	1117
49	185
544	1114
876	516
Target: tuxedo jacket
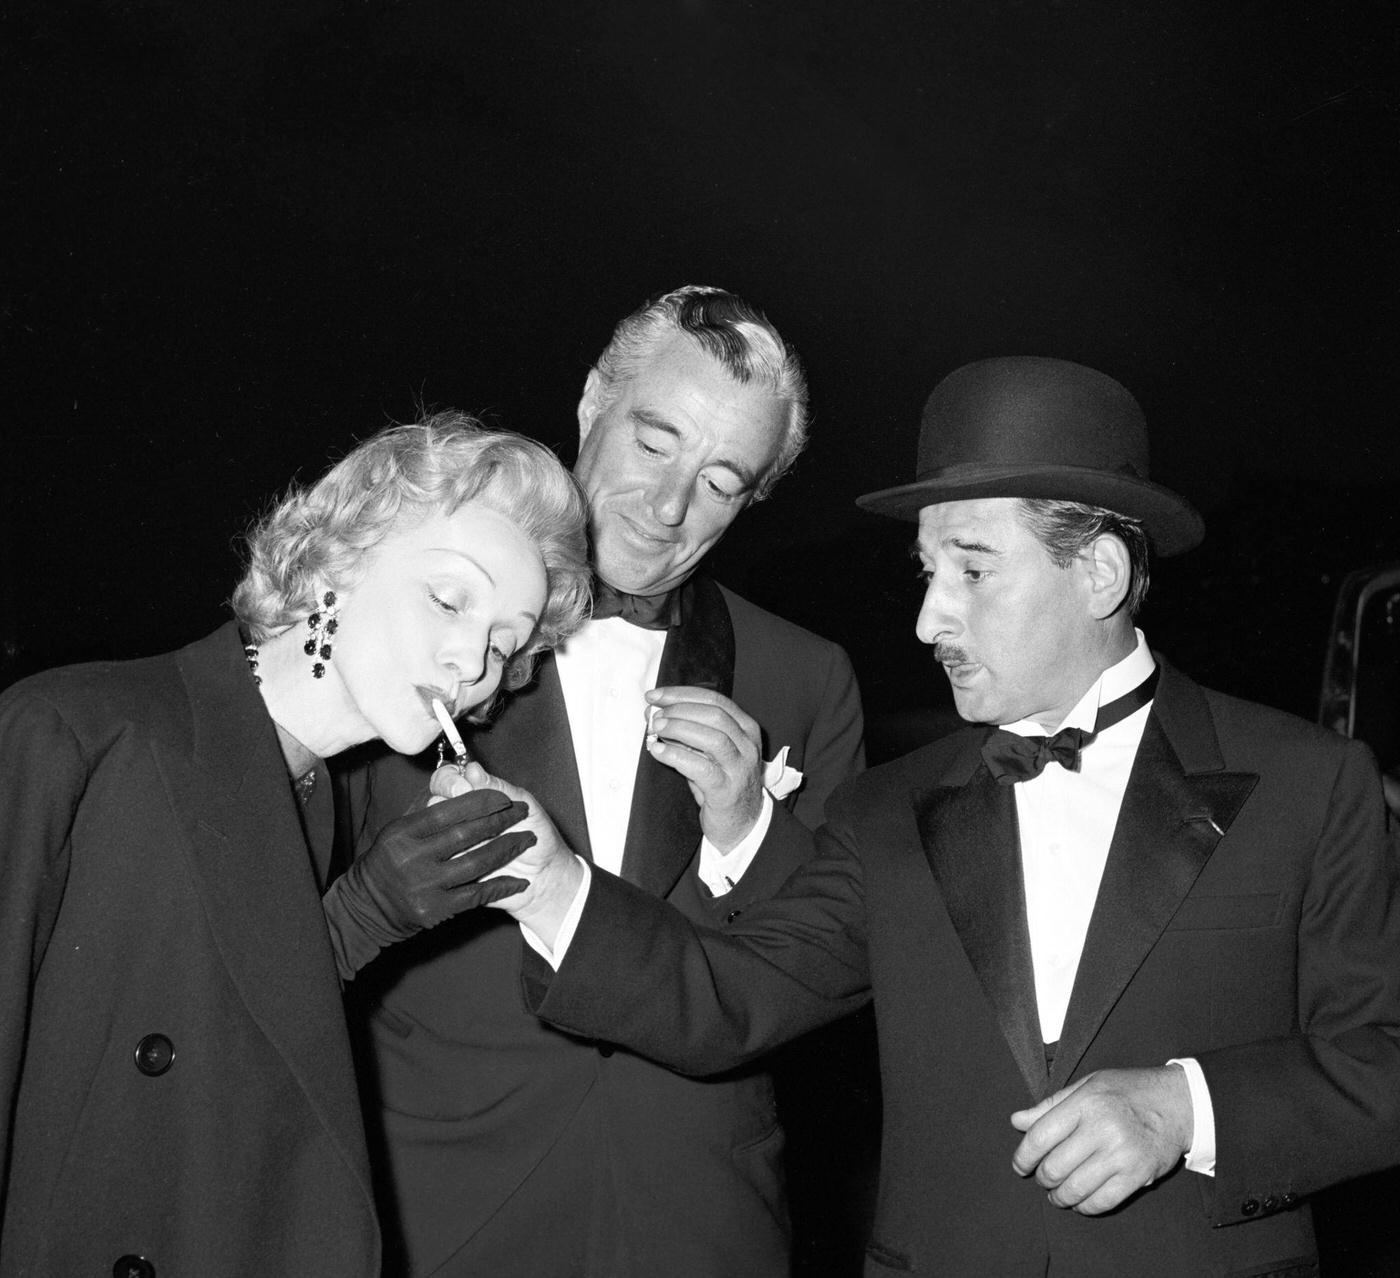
511	1148
1246	917
175	1075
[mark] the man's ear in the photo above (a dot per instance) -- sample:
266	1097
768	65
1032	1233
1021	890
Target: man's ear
1109	573
590	405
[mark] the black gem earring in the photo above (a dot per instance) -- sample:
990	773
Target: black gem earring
322	625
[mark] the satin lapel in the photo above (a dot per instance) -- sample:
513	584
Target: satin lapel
663	826
251	869
531	744
1170	823
970	837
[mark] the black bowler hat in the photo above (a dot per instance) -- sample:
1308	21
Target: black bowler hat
1024	426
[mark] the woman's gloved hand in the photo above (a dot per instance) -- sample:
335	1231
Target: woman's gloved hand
423	868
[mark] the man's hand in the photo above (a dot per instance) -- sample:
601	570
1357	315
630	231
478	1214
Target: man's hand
718	749
1109	1135
423	868
551	872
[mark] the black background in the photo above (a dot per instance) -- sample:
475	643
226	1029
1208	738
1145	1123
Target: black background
240	237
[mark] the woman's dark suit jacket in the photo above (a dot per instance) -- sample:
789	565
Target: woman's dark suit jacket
157	895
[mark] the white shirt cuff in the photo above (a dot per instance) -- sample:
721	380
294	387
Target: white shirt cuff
567	928
1201	1156
721	871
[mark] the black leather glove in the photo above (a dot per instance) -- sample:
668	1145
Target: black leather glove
419	872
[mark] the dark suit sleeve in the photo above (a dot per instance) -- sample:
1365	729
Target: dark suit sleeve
1297	1113
835	749
44	775
640	973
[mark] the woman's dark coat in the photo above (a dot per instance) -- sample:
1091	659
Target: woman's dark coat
175	1077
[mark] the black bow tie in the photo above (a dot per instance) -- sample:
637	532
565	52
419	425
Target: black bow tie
651	612
1011	757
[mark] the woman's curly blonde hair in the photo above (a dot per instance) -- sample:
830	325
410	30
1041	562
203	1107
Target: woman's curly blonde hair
316	536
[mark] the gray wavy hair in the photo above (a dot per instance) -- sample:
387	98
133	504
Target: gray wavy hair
1067	528
732	332
317	535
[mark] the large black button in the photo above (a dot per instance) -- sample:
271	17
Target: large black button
154	1055
1249	1207
605	1050
732	915
133	1267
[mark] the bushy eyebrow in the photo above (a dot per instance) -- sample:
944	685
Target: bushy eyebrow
975	547
650	418
971	547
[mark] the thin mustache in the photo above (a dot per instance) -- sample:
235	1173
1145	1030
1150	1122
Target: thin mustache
947	654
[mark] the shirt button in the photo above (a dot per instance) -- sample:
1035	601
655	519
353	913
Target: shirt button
614	784
154	1055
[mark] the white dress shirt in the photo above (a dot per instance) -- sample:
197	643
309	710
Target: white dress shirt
604	670
1062	873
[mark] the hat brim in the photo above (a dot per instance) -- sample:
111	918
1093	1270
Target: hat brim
1173	525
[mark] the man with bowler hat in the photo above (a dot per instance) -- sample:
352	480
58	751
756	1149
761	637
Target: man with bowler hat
1133	945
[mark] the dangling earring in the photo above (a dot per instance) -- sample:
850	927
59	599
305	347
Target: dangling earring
323	626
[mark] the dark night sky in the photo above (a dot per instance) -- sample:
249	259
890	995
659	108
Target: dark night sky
238	237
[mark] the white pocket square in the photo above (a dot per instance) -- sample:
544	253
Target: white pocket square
779	779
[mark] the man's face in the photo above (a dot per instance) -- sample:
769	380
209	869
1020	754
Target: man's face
1014	632
670	462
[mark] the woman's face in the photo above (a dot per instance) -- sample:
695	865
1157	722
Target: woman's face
439	608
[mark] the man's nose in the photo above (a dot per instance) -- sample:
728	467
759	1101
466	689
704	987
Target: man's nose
935	620
670	500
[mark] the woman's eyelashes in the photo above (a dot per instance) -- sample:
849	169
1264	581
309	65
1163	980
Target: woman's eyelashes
451	605
455	602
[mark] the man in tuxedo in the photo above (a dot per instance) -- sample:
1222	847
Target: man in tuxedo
507	1147
1133	945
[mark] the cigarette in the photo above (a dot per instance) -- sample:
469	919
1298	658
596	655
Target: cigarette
449	730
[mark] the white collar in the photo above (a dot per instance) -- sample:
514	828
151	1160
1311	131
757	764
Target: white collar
1121	677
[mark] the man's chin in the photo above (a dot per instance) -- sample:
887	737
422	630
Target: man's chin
635	579
969	707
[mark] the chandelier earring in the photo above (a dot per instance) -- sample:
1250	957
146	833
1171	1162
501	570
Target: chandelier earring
322	624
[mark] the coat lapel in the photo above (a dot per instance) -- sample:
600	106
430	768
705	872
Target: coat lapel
969	835
1178	805
533	744
663	826
252	870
